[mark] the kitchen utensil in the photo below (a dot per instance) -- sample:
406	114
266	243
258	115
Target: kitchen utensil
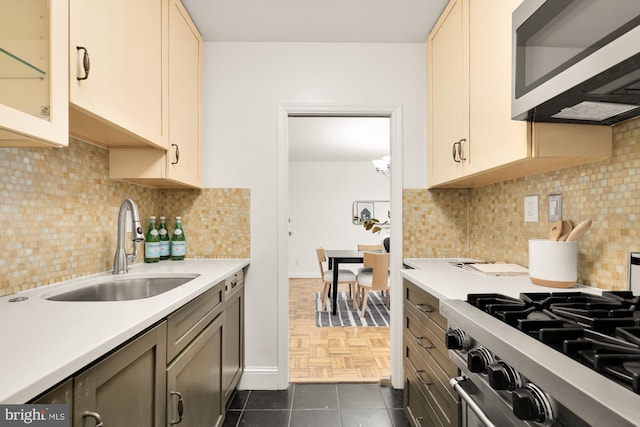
566	229
555	230
579	230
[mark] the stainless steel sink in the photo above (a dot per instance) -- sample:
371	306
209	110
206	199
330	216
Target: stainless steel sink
123	289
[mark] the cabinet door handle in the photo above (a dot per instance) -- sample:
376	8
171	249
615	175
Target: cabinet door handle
422	380
93	415
180	407
177	154
86	63
455	151
460	152
425	346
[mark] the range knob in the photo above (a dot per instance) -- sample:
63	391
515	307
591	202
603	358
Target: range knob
503	377
531	404
478	360
456	339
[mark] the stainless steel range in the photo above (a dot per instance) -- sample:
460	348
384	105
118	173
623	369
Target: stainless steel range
547	359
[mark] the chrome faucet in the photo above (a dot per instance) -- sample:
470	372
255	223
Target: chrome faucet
122	259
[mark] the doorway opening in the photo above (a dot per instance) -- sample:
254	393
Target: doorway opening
315	354
331	171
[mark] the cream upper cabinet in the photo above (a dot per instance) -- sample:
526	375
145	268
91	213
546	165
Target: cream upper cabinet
33	73
117	73
447	88
181	165
185	91
493	148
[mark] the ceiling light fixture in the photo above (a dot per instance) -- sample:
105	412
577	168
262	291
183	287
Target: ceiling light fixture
383	165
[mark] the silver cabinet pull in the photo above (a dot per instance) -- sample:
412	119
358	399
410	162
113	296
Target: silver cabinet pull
457	152
86	63
180	407
422	380
425	308
177	154
96	416
421	344
460	152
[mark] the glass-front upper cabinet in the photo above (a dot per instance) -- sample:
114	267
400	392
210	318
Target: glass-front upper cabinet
34	88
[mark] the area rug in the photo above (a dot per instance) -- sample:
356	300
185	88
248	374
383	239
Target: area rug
376	313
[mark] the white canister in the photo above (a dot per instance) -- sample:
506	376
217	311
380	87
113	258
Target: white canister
552	263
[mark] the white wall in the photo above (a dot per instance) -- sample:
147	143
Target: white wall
320	199
244	83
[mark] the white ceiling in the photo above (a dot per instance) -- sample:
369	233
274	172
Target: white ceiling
331	21
360	21
334	139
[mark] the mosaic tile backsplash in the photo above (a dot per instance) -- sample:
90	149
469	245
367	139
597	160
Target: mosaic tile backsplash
58	211
216	221
488	222
58	215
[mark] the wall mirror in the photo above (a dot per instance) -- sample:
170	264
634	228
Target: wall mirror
363	210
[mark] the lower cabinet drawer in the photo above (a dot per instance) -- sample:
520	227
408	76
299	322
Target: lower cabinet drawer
187	322
430	339
425	303
419	412
433	384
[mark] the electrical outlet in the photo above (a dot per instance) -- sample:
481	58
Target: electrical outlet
531	208
555	207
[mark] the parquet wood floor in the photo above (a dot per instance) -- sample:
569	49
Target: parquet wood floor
338	354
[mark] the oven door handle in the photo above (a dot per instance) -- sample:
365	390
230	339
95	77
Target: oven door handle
457	384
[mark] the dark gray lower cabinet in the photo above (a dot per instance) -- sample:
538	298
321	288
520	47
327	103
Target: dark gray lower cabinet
62	394
182	371
126	388
193	381
233	343
194	375
429	399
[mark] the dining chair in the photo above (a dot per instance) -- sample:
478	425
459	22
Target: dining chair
375	280
362	247
344	276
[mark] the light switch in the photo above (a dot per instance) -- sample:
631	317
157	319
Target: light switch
555	207
531	208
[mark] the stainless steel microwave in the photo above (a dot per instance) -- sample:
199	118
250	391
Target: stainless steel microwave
576	61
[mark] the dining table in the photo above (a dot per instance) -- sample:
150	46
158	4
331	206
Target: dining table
335	257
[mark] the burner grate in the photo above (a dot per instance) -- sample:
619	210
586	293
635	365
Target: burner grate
601	332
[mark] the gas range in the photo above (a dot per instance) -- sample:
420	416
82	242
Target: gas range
550	359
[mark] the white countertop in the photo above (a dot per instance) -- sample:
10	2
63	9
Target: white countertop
43	342
444	281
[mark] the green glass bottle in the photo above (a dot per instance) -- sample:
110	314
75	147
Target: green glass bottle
178	244
165	250
152	242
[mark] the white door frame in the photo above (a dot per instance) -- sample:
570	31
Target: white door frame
394	112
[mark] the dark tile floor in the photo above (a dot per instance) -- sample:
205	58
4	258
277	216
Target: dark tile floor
318	405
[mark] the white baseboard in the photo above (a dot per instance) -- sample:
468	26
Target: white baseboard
304	276
259	378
